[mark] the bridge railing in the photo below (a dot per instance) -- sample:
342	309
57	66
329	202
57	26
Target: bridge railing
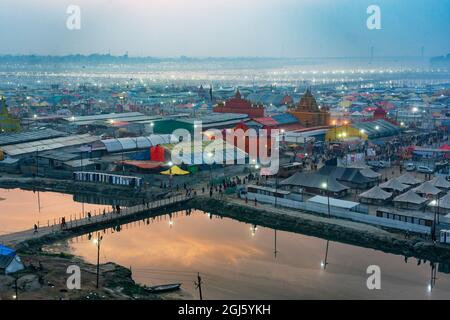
106	216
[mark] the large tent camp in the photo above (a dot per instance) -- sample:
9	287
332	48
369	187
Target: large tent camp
394	185
440	182
376	195
409	200
408	179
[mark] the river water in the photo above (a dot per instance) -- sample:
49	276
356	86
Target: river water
235	260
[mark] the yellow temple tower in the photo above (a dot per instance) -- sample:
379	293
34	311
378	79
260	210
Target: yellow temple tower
309	113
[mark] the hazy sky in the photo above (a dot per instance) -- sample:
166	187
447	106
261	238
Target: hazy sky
288	28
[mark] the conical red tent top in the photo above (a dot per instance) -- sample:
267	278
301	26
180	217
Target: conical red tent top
445	147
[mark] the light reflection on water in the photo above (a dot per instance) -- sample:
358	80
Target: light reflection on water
236	262
21	209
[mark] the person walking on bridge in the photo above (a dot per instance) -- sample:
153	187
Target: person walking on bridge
35	228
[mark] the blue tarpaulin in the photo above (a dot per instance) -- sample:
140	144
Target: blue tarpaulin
5	251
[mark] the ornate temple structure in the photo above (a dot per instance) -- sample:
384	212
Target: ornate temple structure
240	105
7	122
309	113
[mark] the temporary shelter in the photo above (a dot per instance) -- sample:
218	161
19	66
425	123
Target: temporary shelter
394	185
440	182
376	195
408	179
409	200
175	171
9	261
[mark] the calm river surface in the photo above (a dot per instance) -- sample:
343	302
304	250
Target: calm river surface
235	260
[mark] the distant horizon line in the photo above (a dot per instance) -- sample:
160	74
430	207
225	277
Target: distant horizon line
181	57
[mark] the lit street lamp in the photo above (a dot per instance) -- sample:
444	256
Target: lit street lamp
325	187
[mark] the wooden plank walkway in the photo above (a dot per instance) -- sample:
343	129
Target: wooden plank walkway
98	220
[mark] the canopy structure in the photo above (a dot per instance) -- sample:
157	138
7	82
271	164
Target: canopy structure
129	144
376	193
440	182
408	179
175	171
410	197
394	185
427	188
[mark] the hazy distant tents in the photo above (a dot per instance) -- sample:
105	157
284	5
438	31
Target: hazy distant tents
440	182
408	179
394	185
409	200
376	195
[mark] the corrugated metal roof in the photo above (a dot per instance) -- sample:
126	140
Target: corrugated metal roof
126	144
22	137
48	144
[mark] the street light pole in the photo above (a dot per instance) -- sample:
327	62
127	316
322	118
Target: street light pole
325	186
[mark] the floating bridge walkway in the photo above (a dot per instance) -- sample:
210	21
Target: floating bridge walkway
97	221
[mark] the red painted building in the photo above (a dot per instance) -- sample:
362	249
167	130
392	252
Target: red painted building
240	105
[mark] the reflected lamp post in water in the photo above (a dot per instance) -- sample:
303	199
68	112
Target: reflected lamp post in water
97	242
275	251
253	229
323	264
325	187
433	278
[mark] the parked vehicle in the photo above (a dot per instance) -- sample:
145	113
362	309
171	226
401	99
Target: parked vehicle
378	164
425	169
410	166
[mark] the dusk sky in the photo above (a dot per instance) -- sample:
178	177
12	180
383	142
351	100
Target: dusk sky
287	28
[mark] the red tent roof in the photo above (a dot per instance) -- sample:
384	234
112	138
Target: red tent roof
266	121
445	147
